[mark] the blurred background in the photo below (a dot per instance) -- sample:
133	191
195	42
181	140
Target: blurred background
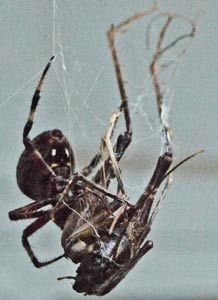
79	95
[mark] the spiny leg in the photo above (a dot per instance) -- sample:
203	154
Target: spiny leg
43	217
31	210
28	231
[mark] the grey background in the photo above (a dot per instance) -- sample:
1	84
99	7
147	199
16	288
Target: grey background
183	263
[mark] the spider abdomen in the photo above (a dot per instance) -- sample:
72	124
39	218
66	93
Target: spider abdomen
35	177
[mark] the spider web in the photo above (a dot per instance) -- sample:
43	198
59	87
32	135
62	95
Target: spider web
79	95
84	93
89	94
76	32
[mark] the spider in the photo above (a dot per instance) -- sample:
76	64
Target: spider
101	231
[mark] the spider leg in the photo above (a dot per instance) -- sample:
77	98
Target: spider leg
33	152
35	100
43	217
28	231
31	210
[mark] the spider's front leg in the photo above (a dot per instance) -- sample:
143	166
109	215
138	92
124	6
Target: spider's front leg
29	146
35	100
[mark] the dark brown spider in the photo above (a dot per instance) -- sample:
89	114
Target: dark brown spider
102	232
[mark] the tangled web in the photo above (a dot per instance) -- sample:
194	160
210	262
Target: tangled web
84	88
86	94
89	93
